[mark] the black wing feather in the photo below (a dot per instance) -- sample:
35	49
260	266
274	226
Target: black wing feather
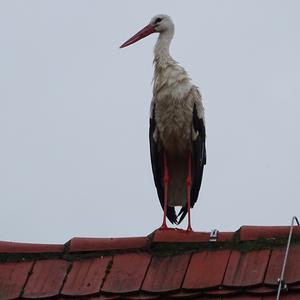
157	169
198	161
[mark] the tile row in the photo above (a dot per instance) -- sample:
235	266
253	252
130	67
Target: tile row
220	272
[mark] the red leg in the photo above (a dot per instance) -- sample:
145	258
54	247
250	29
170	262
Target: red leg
166	185
188	191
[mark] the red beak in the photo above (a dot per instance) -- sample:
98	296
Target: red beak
140	35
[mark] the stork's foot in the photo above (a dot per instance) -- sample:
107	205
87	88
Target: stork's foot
189	229
163	227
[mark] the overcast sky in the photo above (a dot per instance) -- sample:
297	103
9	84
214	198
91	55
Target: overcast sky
74	109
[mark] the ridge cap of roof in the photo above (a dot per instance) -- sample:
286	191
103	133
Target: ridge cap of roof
17	247
253	232
93	244
82	244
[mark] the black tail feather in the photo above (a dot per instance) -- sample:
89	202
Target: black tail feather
182	213
171	215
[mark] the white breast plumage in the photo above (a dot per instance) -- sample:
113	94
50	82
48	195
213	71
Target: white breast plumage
173	107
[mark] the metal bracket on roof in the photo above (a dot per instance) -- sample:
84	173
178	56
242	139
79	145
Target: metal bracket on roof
213	235
281	282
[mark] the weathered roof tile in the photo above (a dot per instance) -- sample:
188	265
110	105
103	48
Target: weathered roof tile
166	273
246	269
127	273
267	232
106	244
206	269
292	271
13	276
11	247
46	278
86	276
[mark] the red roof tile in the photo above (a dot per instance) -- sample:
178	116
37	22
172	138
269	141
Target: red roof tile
12	278
244	265
206	269
11	247
292	274
86	276
102	244
179	236
275	266
182	236
127	273
171	274
246	269
46	278
255	232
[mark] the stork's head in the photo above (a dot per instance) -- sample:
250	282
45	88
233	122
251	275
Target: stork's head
162	23
159	23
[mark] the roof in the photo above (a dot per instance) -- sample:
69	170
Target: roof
173	264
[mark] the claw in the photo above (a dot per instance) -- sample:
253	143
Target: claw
189	229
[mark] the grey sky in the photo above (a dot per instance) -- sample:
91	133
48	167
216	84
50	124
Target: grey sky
74	157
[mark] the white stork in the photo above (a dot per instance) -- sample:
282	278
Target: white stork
177	130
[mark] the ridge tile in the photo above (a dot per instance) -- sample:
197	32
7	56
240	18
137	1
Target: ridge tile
248	233
12	247
105	244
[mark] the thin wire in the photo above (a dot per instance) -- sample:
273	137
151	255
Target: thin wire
281	279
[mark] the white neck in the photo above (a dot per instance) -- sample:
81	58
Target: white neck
161	49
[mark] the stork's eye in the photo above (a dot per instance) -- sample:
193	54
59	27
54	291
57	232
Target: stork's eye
157	20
